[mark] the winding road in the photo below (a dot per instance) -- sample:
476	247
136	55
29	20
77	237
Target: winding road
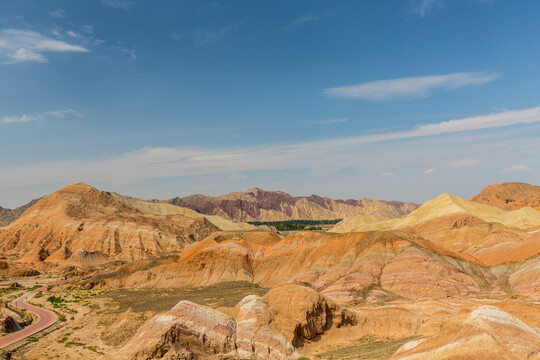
46	317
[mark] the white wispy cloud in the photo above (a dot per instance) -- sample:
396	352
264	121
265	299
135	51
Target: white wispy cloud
427	7
410	87
463	163
89	29
60	114
203	38
73	34
331	155
131	52
517	168
331	121
207	37
25	45
303	19
307	18
58	13
118	4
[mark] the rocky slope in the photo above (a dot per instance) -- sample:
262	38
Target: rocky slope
490	243
80	217
510	196
485	333
269	327
347	268
7	216
260	205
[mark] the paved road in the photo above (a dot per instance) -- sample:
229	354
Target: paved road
46	317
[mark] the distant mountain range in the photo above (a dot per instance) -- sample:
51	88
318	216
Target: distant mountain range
260	205
7	215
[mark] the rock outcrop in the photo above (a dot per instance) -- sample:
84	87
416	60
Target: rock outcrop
257	335
10	324
270	327
302	313
11	321
187	328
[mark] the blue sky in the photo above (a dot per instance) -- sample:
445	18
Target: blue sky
396	100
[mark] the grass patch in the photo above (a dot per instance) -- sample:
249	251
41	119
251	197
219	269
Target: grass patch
368	347
226	294
84	346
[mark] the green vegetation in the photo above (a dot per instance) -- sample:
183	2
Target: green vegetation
9	290
75	342
297	225
55	301
31	339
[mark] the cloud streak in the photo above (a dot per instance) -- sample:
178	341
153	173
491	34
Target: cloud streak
161	162
59	114
411	87
118	4
58	13
331	121
307	18
424	8
517	168
25	45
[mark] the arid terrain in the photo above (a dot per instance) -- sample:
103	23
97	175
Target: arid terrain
125	278
260	205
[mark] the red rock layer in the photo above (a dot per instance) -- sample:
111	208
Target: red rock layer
510	195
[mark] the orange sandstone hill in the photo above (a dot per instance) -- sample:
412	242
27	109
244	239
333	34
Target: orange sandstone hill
260	205
353	267
80	217
510	195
